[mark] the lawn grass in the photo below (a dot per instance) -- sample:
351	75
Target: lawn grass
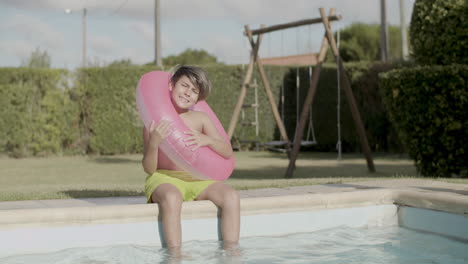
122	175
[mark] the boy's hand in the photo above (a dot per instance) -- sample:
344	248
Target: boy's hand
159	132
198	139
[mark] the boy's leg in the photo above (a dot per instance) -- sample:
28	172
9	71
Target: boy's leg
170	201
227	199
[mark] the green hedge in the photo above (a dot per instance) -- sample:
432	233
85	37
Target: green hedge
99	114
109	119
37	116
438	30
429	107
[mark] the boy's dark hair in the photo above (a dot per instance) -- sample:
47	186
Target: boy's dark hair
197	76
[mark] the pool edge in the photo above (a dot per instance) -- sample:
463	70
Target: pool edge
446	202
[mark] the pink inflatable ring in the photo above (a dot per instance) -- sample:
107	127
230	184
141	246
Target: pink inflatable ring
154	103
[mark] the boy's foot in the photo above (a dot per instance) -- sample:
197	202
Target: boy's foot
175	255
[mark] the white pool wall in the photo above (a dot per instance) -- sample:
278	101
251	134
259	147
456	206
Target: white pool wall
36	239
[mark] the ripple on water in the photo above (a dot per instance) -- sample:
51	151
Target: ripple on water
331	246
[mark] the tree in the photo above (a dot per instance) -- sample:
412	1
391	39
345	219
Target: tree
37	59
190	56
360	42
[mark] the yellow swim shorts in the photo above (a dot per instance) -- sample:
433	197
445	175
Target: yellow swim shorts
188	186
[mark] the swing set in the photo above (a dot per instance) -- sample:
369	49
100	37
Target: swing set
310	59
281	145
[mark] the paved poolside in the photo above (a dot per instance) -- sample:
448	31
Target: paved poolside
431	187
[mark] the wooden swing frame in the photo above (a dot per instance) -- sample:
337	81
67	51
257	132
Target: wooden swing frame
328	40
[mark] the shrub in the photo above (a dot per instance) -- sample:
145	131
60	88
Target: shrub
37	116
438	31
429	106
109	119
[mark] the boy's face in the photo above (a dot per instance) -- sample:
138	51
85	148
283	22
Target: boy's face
184	94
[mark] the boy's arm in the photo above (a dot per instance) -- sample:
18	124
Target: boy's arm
152	139
209	137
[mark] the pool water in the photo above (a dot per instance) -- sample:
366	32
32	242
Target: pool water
391	244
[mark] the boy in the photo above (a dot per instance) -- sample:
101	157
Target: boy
168	185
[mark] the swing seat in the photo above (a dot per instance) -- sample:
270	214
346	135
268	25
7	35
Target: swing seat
279	150
276	146
308	143
276	143
304	143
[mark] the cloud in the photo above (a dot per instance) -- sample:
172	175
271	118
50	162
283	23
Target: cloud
33	30
101	8
244	11
212	25
136	55
227	50
145	30
21	49
103	45
105	49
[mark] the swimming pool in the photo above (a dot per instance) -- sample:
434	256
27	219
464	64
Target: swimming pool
389	244
132	232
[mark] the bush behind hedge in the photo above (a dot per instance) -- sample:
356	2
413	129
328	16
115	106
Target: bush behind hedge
429	107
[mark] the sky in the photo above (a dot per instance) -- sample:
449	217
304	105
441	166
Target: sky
124	29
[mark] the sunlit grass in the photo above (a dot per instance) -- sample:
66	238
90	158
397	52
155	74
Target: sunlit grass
122	175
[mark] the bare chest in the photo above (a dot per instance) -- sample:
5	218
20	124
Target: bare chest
192	120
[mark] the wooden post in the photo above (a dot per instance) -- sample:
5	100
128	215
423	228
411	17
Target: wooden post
271	99
349	94
266	86
305	108
293	24
254	58
243	91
